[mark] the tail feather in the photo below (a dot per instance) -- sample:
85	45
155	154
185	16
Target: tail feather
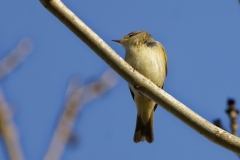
149	136
144	132
139	131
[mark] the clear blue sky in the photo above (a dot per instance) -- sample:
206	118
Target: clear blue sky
202	41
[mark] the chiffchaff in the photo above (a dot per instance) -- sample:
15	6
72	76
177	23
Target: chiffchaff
149	58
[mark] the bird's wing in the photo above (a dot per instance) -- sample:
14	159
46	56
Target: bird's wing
165	56
131	93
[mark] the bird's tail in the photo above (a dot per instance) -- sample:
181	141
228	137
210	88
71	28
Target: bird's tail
144	131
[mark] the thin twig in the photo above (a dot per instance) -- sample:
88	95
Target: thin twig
79	97
7	127
15	57
232	113
64	127
8	131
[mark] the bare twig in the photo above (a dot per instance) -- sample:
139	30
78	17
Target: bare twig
98	88
15	57
79	97
64	127
232	113
7	128
149	89
8	131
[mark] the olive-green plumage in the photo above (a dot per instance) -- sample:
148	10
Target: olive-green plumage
149	58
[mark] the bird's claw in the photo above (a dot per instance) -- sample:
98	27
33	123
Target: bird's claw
136	86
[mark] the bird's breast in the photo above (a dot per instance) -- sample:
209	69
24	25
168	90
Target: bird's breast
149	61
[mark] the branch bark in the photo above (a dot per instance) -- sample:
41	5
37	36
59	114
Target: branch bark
149	89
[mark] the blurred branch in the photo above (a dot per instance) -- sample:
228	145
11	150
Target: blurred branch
146	87
8	131
79	97
15	57
64	127
7	128
101	86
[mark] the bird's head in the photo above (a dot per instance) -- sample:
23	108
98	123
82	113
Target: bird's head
134	38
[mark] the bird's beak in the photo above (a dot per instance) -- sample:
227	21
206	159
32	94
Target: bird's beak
118	41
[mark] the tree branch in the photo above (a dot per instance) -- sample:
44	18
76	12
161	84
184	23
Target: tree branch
149	89
75	102
64	128
7	127
8	131
15	57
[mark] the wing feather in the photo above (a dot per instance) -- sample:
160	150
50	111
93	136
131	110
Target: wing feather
165	57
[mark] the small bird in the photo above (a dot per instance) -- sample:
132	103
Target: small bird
149	58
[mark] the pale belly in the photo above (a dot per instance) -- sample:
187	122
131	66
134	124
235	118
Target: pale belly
149	63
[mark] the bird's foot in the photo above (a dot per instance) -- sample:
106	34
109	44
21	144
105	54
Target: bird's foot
136	86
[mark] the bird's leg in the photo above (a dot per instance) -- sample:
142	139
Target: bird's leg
134	69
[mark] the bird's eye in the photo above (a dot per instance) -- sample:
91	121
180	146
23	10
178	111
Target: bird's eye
130	35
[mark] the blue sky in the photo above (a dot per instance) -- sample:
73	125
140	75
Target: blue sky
201	39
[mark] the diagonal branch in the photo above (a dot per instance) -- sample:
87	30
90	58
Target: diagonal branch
15	57
149	89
